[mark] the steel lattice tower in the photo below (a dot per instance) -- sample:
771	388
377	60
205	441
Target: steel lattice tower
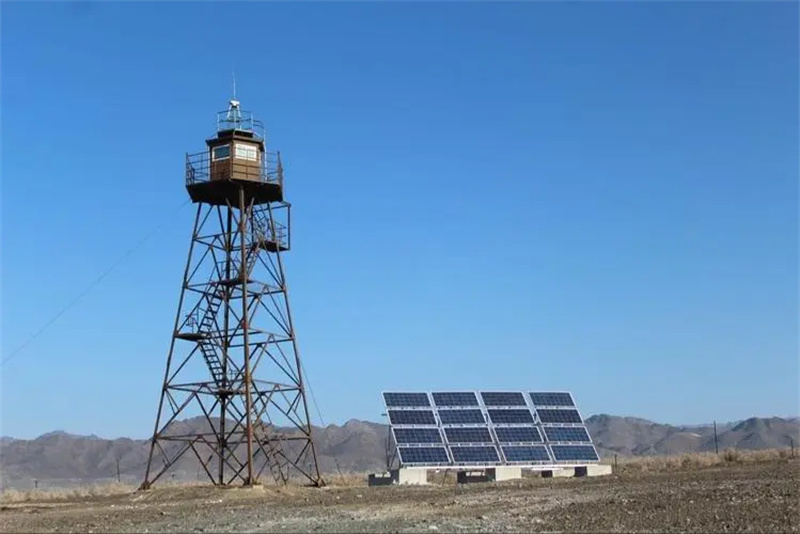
233	361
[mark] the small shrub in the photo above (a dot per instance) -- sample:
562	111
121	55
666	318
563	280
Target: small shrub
732	455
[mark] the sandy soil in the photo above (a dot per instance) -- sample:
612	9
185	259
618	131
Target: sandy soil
759	497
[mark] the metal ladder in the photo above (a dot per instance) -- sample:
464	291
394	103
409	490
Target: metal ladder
206	326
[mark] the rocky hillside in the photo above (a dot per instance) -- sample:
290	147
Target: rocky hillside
638	437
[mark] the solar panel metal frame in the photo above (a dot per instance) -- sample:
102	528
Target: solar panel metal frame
541	421
484	417
547	427
533	403
572	461
521	393
412	463
511	409
541	446
467	428
582	424
401	405
573	407
438	431
492	446
476	404
492	427
504	428
422	425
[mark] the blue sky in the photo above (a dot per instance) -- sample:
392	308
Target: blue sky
595	197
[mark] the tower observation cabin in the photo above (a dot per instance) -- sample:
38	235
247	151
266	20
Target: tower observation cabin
235	158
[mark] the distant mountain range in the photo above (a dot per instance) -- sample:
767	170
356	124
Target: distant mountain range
60	459
639	437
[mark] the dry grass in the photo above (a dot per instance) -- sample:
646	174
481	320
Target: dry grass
106	489
350	480
65	494
697	460
346	480
9	496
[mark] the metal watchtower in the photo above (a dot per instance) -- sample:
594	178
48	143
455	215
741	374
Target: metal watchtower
233	362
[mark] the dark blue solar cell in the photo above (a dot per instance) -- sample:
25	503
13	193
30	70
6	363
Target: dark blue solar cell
510	416
502	398
559	416
572	453
475	455
566	433
423	455
445	398
552	399
467	434
413	400
461	417
411	417
526	453
417	435
517	434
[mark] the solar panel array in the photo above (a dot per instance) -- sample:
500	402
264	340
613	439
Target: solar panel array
487	428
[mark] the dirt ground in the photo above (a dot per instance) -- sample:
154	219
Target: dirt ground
757	497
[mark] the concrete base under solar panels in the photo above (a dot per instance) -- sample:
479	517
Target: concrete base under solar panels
398	476
402	476
594	470
556	473
410	476
493	474
506	473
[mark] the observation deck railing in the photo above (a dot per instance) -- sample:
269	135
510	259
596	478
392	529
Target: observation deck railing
199	169
236	119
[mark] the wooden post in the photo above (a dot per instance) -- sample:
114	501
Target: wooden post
118	478
716	445
615	462
791	444
35	484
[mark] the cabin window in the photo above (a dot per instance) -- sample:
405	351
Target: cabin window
246	152
221	152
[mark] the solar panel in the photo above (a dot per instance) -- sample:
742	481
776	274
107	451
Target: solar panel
477	455
415	400
411	417
510	416
566	433
468	434
559	416
462	417
417	435
463	428
517	434
467	398
551	399
567	453
503	398
423	455
526	453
